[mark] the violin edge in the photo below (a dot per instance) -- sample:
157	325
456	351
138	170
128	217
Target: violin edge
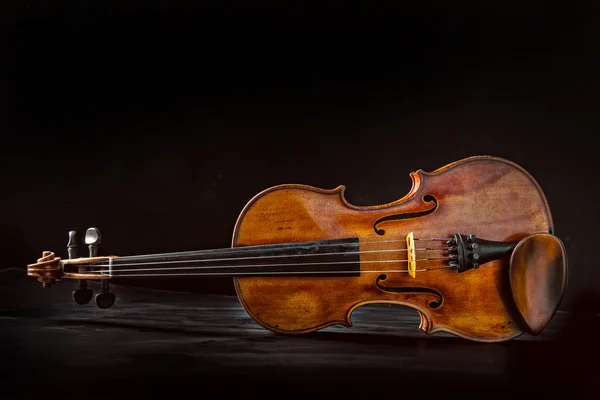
343	317
416	185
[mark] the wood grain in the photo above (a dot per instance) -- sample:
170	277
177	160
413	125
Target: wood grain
487	196
538	279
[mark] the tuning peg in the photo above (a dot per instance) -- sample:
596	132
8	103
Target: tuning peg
83	295
72	245
105	299
93	238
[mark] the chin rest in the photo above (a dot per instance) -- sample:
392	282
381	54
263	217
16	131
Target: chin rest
538	278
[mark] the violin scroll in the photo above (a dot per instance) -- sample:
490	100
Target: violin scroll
47	269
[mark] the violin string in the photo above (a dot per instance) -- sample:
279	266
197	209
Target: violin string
112	269
264	257
292	245
404	240
271	273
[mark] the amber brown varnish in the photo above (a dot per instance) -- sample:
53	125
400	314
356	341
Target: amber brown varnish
490	197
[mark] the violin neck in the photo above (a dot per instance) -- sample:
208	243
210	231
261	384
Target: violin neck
338	257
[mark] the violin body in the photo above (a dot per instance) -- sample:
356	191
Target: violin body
486	196
471	247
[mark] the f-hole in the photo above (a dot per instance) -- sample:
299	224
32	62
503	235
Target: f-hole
427	198
433	304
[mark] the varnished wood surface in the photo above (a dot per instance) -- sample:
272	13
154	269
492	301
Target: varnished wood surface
156	343
538	278
487	196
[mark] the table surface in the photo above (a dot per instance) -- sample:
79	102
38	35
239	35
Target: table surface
163	343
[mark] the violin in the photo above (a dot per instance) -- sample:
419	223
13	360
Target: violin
471	247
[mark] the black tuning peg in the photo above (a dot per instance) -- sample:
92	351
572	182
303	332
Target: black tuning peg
83	294
105	299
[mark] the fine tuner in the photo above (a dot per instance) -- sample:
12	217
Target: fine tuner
471	247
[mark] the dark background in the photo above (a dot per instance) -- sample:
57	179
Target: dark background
158	123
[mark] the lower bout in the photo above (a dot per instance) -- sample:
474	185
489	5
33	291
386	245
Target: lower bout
301	308
291	311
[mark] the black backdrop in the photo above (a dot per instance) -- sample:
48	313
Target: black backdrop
157	124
